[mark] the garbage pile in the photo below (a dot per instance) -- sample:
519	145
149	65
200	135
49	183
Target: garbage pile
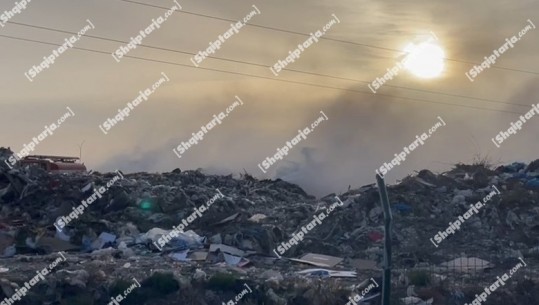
198	237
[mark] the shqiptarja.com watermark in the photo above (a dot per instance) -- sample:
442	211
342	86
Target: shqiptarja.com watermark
199	135
516	126
297	237
455	226
30	147
126	111
21	292
400	157
491	59
482	297
216	45
17	9
283	151
177	230
296	53
395	70
358	297
134	42
49	60
119	298
63	221
239	296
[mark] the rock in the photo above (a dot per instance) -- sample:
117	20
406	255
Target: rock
78	278
376	214
257	218
51	244
7	287
216	239
200	276
274	299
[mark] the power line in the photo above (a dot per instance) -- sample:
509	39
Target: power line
322	38
266	66
263	77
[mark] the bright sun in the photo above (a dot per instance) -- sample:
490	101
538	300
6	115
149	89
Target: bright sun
425	60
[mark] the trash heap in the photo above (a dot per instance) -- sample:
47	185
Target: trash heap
131	231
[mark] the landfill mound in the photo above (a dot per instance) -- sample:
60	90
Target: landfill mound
111	229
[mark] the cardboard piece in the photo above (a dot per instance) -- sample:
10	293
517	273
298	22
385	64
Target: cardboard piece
226	249
363	264
198	256
231	259
179	256
319	260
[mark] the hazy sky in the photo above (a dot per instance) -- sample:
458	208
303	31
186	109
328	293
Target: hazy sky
364	130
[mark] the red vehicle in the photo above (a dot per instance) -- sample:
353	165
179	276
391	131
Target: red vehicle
54	164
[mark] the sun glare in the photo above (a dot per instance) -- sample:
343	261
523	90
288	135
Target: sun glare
425	60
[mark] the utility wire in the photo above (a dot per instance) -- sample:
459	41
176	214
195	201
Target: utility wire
266	66
264	77
323	38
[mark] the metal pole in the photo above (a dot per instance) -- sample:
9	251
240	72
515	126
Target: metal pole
80	150
388	218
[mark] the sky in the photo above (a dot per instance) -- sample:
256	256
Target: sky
362	131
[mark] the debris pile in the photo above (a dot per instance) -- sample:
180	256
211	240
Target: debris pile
162	230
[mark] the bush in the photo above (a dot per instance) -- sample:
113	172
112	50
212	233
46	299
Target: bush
419	278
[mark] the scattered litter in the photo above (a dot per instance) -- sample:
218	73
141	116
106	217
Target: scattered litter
228	219
533	184
198	256
319	260
62	235
257	217
184	240
179	256
402	207
226	249
375	236
424	182
231	259
327	273
104	240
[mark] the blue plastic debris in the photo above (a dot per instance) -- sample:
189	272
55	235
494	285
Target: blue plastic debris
231	259
187	240
325	273
103	240
87	243
533	184
320	273
179	256
402	207
515	167
521	176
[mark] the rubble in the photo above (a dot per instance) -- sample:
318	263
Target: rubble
115	239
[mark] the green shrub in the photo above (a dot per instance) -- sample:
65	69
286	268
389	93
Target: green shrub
419	278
